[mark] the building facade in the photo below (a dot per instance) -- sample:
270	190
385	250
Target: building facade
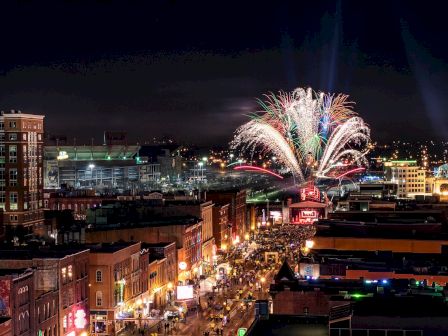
16	295
60	293
168	251
237	209
115	286
204	211
186	232
222	227
409	177
21	165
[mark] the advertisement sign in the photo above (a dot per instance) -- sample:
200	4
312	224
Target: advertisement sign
184	292
5	289
308	216
51	174
310	193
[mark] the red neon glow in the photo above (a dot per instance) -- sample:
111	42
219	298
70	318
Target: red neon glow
310	193
80	319
356	170
255	168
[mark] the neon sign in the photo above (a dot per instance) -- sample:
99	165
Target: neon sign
310	193
80	319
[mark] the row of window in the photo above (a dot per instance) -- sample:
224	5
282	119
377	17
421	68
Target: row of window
45	313
13	124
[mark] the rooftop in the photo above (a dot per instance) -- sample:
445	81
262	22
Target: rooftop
391	230
46	252
290	325
398	262
155	245
109	247
14	272
156	222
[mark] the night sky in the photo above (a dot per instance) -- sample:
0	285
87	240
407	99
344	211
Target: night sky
193	69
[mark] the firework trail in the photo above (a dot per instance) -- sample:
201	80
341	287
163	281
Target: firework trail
309	133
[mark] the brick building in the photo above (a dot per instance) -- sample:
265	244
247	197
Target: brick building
76	200
159	294
16	300
46	308
61	270
168	251
222	227
204	211
185	231
237	208
115	272
21	179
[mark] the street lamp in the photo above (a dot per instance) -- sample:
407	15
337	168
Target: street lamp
262	280
309	244
170	291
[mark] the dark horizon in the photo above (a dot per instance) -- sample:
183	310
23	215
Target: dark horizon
195	71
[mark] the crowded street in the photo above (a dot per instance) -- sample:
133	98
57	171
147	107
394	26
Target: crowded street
226	298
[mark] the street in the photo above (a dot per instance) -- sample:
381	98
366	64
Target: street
229	305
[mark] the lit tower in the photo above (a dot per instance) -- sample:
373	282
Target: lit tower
21	163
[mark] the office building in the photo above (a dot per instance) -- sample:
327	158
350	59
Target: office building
409	177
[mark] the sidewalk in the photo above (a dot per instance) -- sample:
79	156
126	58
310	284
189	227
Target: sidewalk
150	325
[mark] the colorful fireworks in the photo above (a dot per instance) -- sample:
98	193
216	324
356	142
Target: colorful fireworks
309	133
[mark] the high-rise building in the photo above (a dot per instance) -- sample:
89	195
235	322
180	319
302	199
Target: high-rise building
21	162
409	177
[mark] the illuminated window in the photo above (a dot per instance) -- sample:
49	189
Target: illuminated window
64	274
99	298
12	136
64	323
13	153
12	124
70	272
13	199
99	276
13	177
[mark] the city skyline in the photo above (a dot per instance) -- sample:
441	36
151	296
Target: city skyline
141	73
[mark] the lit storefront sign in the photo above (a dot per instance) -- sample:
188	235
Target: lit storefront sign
182	265
308	216
184	292
80	319
62	155
310	193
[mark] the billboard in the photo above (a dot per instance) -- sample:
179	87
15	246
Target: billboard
184	292
51	174
310	193
5	289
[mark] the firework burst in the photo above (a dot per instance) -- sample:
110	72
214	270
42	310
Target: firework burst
310	133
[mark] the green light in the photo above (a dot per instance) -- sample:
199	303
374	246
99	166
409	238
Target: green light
242	331
417	283
357	295
404	161
108	157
